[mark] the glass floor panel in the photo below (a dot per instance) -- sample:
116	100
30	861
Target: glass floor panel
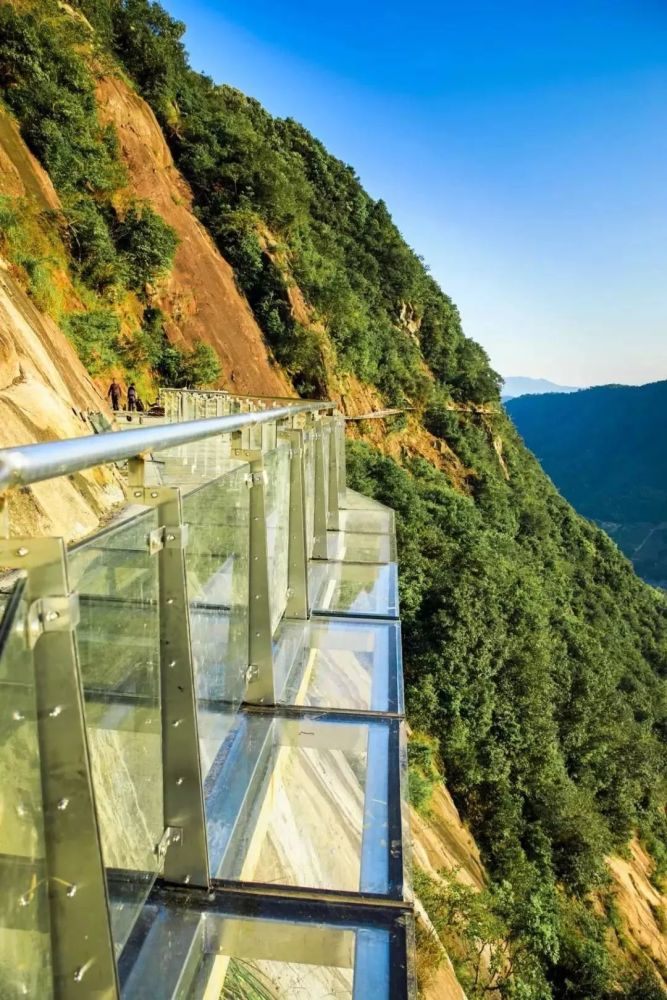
359	547
306	802
230	948
358	589
376	522
345	664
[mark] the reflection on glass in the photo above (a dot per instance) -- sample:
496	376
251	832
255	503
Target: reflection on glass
277	501
234	956
346	664
351	546
352	588
119	654
358	501
302	802
377	521
217	571
25	943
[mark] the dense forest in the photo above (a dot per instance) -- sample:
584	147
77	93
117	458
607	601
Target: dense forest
535	658
602	449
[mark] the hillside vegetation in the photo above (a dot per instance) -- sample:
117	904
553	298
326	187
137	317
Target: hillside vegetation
535	658
604	451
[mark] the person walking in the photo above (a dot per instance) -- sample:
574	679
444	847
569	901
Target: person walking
132	396
114	394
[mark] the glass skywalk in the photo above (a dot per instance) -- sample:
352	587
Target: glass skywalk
235	759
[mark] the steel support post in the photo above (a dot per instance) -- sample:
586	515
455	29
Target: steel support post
342	464
297	567
332	499
184	845
260	687
320	550
82	948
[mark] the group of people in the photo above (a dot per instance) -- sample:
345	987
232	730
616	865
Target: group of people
115	394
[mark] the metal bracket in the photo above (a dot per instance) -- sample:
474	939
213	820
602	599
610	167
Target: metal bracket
156	541
168	536
171	835
51	614
257	479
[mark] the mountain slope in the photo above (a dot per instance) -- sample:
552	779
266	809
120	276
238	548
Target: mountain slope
604	450
535	659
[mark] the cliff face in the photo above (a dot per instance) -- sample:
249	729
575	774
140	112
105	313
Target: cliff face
200	297
45	394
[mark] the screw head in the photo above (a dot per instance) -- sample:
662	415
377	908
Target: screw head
22	551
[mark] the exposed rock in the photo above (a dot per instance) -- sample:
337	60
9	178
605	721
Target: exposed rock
44	395
200	297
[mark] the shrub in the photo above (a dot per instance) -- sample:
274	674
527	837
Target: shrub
146	245
95	336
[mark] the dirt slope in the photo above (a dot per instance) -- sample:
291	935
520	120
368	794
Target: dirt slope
643	909
200	298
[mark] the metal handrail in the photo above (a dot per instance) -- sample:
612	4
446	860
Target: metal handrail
35	462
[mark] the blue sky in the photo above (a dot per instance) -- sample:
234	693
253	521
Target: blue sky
521	148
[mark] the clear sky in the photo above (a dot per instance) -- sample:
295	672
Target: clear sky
521	148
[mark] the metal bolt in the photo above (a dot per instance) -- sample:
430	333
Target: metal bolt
52	615
78	974
186	880
154	494
170	600
21	809
22	551
18	716
171	538
176	723
179	781
175	838
71	891
137	493
63	804
55	711
172	664
24	900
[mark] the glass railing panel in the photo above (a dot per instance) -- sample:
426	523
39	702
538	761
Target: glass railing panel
309	481
196	463
363	589
277	503
356	546
25	941
118	641
218	516
345	664
302	802
358	501
375	521
269	950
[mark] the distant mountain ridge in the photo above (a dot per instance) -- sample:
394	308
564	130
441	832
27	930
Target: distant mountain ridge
520	385
604	450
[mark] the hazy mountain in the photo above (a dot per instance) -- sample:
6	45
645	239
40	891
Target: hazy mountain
519	385
606	451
